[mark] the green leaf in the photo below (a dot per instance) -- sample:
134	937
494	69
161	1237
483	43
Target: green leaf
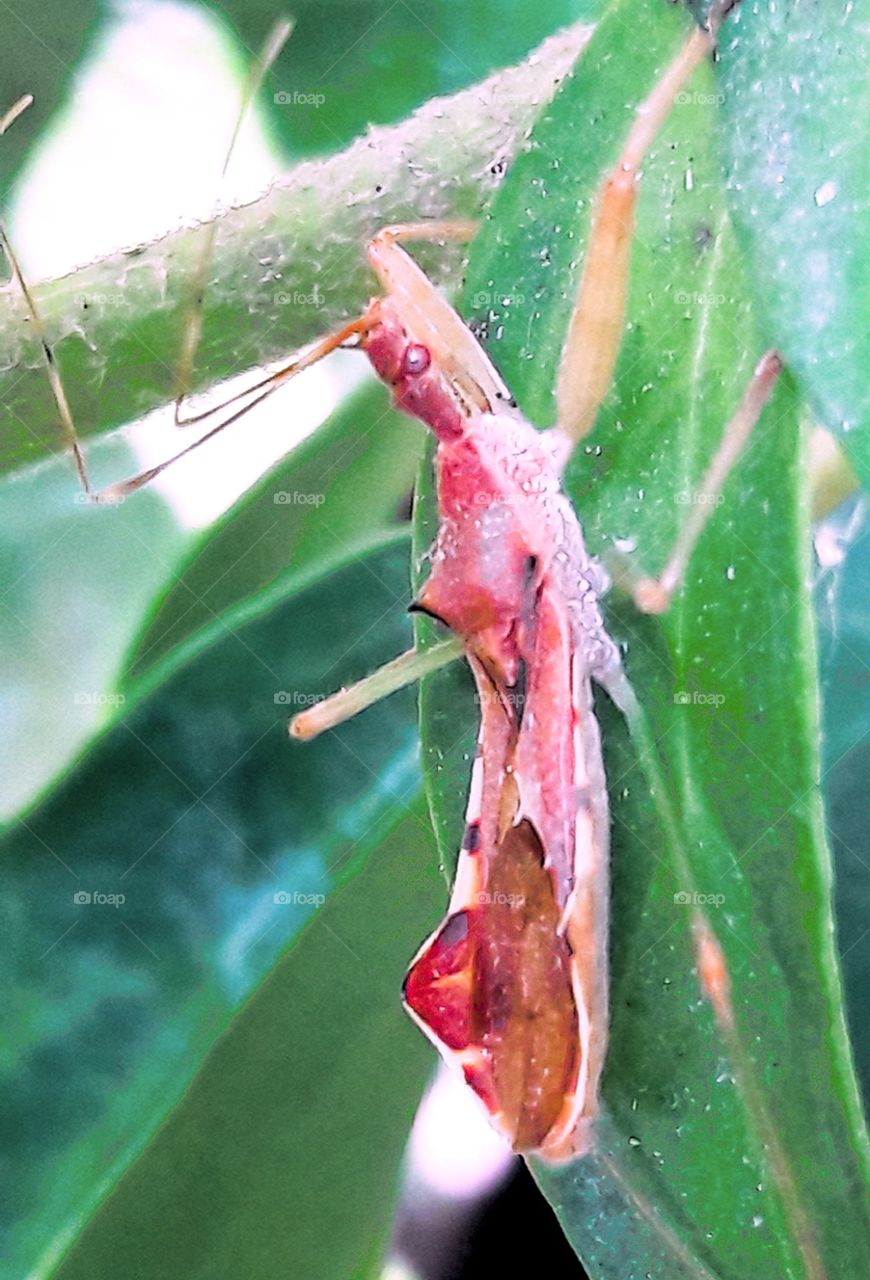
197	808
842	595
340	489
793	79
282	1158
703	1165
77	581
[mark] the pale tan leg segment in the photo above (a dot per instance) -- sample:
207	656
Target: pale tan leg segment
654	595
259	68
404	670
595	329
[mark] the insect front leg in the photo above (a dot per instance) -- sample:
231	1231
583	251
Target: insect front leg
596	326
408	668
654	595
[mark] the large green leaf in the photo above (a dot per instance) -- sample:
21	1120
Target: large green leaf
842	595
703	1159
196	808
795	91
282	1158
77	580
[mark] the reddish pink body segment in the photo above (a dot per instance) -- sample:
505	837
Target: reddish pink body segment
512	986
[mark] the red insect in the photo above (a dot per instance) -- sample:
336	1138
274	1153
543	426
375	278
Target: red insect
512	986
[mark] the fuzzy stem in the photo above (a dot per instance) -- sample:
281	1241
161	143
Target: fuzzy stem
286	267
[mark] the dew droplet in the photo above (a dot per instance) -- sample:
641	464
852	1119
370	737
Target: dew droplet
825	193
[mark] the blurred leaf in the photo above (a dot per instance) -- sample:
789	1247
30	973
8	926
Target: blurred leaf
314	1084
842	593
350	63
77	581
342	487
196	808
794	80
684	1182
40	50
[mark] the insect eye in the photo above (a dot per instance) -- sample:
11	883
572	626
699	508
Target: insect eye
415	360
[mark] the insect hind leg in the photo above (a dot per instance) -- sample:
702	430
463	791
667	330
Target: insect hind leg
64	413
655	594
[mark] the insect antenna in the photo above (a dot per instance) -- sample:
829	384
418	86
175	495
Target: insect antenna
259	392
193	320
64	412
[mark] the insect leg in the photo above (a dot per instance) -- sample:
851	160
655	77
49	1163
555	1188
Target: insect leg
654	595
595	329
404	670
193	320
247	400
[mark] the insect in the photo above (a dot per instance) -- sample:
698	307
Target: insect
512	987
